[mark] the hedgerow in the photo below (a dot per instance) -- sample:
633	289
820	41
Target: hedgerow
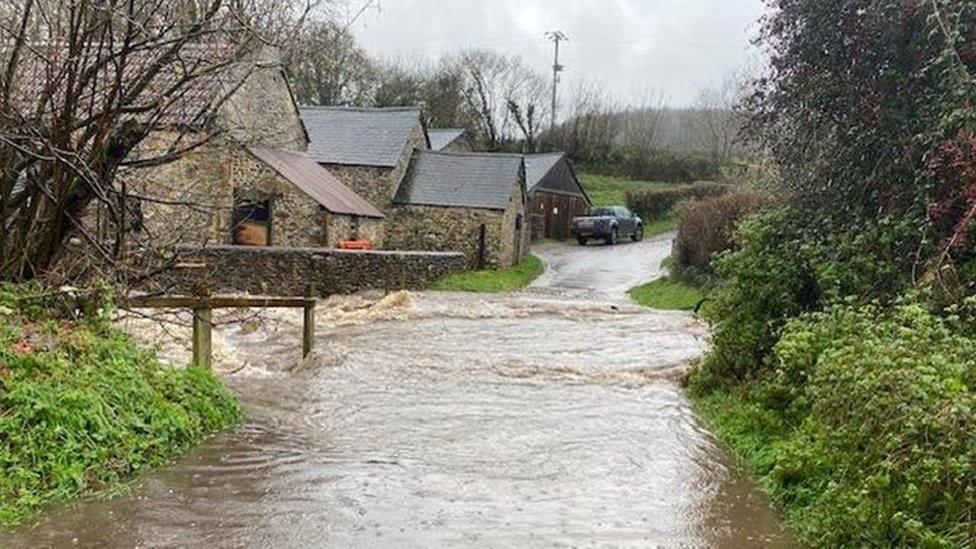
844	351
658	204
863	427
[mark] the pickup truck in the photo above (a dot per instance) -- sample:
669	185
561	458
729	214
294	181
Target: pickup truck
608	223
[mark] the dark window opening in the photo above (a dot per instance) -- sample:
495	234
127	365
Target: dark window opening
252	222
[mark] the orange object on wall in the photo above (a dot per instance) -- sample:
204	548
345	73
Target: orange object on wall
355	245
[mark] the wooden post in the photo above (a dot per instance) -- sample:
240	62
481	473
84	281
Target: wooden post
308	332
203	337
308	326
482	244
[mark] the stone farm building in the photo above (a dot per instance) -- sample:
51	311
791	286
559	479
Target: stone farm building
433	201
369	150
286	199
450	140
250	183
555	195
473	203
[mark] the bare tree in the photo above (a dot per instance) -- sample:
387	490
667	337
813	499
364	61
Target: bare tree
642	125
503	96
592	129
528	106
714	121
328	68
84	82
400	83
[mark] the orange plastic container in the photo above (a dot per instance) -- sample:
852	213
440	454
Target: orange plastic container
355	245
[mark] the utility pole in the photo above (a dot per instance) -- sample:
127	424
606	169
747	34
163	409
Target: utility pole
556	37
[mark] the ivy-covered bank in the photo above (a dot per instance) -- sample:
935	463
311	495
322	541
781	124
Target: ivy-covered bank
843	365
83	408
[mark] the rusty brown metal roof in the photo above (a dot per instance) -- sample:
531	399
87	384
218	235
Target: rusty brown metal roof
317	182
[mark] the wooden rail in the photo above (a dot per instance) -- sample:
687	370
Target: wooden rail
203	307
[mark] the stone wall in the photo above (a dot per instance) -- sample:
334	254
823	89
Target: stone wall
296	219
262	111
371	183
412	227
378	185
347	227
447	230
290	271
515	232
191	201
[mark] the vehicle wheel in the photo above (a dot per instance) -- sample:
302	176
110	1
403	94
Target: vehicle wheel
614	238
582	240
638	234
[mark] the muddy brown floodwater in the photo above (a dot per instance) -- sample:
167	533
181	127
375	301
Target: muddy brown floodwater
548	418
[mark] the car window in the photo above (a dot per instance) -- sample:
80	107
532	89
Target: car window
601	212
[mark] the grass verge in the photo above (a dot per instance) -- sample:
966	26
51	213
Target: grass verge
83	408
495	282
660	226
667	294
605	190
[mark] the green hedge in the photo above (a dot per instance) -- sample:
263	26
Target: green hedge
83	408
659	204
862	427
659	165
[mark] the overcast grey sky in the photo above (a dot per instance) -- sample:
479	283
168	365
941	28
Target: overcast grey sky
633	46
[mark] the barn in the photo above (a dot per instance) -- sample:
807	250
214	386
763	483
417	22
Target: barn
473	203
368	150
555	195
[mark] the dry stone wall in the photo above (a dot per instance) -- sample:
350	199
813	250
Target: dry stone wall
447	229
292	271
515	238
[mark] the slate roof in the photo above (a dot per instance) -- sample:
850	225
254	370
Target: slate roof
441	138
359	137
537	166
218	69
316	182
466	180
552	172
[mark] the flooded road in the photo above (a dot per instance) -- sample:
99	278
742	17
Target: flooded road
548	418
608	270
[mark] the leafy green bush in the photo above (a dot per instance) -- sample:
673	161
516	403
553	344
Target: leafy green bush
659	204
82	408
768	280
780	270
863	429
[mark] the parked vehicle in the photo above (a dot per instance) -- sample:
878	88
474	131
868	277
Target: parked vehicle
608	223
